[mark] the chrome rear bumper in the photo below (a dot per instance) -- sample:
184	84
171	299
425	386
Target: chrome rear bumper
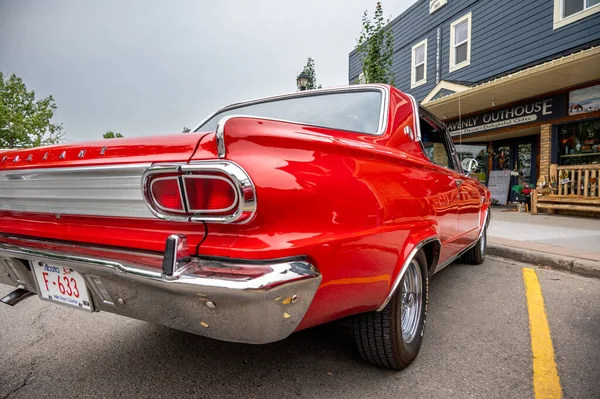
238	301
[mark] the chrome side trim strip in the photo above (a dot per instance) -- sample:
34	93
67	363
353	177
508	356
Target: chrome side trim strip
454	257
383	113
409	259
243	185
87	190
462	252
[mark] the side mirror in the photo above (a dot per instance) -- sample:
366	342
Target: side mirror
469	165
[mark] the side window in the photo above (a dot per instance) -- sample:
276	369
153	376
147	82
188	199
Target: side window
435	145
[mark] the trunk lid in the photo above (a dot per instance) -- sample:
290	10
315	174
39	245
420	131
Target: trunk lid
91	192
171	148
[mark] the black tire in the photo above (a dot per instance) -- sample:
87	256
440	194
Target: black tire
379	335
476	255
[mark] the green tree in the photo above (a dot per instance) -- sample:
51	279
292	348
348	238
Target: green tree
309	69
186	129
25	121
112	135
376	47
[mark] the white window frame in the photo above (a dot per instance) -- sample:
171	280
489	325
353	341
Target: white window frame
467	62
413	75
560	21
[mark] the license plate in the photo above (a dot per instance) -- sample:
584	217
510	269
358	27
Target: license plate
62	285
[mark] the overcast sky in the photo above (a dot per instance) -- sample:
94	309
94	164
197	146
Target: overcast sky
152	67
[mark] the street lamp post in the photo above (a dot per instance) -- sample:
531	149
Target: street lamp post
302	81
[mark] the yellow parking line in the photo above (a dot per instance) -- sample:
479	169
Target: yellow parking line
546	383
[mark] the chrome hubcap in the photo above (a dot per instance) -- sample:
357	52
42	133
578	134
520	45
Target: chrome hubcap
412	301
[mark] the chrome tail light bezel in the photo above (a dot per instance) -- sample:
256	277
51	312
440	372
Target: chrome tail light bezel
241	212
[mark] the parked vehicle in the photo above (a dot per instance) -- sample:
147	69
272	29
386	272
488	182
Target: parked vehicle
272	216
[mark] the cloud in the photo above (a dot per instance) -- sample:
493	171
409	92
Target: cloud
152	67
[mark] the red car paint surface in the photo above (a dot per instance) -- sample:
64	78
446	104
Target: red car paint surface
354	204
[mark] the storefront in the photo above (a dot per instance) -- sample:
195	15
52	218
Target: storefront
558	123
578	143
498	140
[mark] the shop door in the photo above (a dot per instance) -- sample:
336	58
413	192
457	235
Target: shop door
519	156
524	164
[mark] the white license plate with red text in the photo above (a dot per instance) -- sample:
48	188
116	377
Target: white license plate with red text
62	285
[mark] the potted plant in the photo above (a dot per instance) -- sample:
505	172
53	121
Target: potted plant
523	191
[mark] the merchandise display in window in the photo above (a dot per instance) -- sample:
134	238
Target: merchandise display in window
579	143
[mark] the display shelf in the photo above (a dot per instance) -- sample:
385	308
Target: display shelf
589	154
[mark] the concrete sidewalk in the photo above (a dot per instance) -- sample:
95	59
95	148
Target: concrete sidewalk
563	242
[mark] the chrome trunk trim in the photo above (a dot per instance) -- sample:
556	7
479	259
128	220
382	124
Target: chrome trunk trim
83	190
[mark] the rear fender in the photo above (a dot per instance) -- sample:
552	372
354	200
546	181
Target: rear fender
420	241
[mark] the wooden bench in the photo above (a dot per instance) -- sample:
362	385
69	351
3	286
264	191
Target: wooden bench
577	189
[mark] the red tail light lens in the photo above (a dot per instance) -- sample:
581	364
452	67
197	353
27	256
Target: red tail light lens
209	193
166	193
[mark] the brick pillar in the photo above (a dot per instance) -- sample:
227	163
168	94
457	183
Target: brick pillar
545	148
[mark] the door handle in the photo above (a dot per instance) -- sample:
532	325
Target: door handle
458	182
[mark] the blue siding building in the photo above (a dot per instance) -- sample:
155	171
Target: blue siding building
516	81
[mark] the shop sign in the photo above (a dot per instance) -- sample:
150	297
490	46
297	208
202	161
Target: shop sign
517	114
435	5
584	100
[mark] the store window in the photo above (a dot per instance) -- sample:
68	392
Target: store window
579	143
479	152
568	11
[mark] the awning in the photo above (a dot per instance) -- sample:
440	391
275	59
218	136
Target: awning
551	76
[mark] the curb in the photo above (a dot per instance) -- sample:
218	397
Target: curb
583	267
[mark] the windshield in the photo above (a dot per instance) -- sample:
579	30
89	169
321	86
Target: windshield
357	111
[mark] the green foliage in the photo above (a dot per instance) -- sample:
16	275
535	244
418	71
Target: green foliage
376	47
25	121
112	135
309	69
186	130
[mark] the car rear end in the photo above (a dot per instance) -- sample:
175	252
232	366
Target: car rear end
119	226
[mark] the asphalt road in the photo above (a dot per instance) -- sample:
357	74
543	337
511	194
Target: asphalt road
477	345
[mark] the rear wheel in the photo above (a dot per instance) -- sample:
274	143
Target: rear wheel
392	338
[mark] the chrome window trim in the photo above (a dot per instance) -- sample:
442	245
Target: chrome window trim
176	178
383	111
417	115
246	207
190	209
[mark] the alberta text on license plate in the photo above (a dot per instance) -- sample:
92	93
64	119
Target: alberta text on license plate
61	284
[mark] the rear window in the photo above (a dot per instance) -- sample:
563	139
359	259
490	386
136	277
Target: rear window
356	111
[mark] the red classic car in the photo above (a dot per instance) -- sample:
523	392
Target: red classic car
272	216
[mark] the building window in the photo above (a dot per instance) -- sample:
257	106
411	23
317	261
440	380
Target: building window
460	43
418	75
579	143
568	11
